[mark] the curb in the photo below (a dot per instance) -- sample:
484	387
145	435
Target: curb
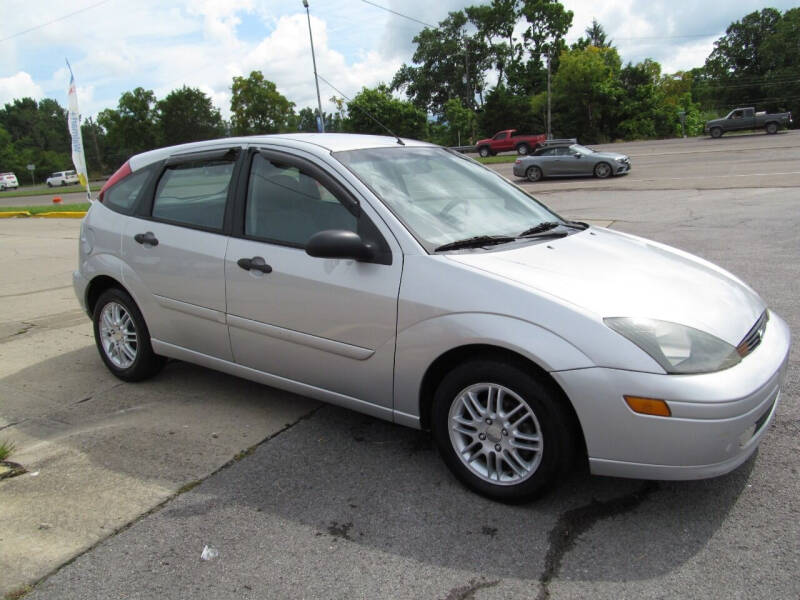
24	214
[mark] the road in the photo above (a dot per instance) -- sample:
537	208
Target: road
334	504
753	160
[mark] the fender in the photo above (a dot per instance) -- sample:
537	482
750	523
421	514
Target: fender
419	345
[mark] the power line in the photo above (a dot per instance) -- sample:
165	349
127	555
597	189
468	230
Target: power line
35	27
394	12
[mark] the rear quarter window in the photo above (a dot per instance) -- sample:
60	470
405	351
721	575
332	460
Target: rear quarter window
122	197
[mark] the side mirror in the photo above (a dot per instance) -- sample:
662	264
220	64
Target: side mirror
578	155
339	243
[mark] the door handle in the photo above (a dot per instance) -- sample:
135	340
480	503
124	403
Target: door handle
146	238
256	263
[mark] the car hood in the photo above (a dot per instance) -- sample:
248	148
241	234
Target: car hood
609	155
613	274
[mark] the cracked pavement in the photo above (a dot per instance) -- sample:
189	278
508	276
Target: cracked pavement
334	504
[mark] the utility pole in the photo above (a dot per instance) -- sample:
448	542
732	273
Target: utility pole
549	130
314	61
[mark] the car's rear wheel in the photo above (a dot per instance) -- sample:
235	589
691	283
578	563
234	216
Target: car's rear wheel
533	173
523	149
484	151
503	431
772	128
122	337
716	132
602	170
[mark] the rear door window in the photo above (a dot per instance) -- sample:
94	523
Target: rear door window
194	194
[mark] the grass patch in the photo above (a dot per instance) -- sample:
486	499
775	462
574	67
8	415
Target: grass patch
6	449
77	207
56	191
493	160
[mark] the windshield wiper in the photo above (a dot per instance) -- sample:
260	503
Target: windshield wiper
540	228
476	242
577	224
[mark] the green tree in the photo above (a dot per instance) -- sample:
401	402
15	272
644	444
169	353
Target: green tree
450	64
507	110
585	93
258	107
595	36
643	111
36	134
547	24
378	104
457	126
132	127
187	115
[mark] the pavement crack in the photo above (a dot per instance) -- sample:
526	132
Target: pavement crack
183	489
467	592
12	424
573	523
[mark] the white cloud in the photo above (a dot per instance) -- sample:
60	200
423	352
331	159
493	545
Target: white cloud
19	86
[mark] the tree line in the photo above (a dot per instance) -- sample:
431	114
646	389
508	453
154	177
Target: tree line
482	69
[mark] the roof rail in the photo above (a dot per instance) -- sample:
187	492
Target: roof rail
560	141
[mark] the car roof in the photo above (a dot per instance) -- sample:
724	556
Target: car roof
314	142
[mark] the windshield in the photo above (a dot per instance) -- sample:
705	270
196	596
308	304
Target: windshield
443	197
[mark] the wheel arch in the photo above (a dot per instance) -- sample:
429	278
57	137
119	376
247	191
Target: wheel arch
446	361
97	286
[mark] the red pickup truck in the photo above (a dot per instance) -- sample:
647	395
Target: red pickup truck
505	140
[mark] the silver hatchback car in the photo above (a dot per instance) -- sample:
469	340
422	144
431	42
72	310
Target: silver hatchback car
405	281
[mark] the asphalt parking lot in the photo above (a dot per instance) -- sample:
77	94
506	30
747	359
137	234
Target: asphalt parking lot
127	483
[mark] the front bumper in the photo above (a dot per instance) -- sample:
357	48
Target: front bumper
519	169
717	422
622	168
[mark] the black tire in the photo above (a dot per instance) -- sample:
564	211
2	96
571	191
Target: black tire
146	363
772	128
484	151
716	132
49	184
553	420
533	173
603	170
523	149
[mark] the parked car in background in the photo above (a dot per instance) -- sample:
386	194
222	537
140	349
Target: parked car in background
505	141
746	118
410	283
62	178
8	181
565	158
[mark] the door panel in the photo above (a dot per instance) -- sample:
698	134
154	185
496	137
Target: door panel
185	276
176	247
327	323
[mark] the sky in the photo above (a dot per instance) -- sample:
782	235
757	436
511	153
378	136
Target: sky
117	45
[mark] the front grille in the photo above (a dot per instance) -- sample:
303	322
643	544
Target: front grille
754	336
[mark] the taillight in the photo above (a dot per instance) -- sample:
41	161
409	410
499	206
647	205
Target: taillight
121	174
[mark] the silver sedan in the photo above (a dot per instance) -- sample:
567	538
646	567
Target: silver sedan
571	160
407	282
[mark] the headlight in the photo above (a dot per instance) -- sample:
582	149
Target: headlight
622	160
677	348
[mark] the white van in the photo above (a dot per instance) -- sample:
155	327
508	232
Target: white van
8	181
62	178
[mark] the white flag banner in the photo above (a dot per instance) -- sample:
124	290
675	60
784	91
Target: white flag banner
74	122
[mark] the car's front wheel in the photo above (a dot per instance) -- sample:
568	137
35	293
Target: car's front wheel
523	149
503	431
716	132
533	173
772	128
484	151
602	170
122	337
